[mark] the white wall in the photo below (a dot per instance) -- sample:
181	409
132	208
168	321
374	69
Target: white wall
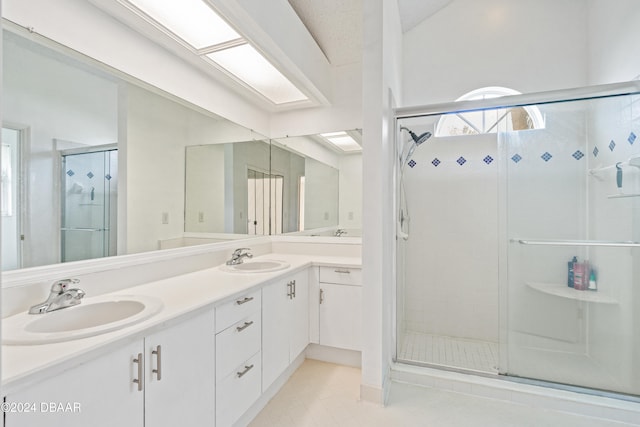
525	45
204	201
350	202
158	130
451	261
614	52
54	99
381	83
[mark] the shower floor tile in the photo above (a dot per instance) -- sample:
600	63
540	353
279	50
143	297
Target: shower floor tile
419	347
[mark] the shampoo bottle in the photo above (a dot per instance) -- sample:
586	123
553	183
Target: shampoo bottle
570	278
593	286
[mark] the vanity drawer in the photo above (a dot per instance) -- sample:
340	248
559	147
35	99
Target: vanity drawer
341	275
238	391
237	343
233	311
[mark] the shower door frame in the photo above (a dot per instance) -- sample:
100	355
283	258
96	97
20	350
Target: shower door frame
512	101
58	181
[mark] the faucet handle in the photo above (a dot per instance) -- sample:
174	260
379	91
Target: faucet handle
61	285
239	250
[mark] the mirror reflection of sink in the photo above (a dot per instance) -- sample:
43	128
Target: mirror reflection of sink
93	316
257	266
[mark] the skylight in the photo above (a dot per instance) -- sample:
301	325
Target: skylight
342	140
252	68
199	27
191	20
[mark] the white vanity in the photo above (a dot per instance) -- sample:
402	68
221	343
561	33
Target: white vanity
219	349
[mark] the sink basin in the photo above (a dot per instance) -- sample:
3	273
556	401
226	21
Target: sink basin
93	316
258	266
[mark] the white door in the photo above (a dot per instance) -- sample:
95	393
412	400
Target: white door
10	205
276	309
180	374
100	393
299	323
341	316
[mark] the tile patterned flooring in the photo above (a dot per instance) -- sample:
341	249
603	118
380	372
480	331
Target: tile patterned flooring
322	394
454	352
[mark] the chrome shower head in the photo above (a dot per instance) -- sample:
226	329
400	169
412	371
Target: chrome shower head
417	140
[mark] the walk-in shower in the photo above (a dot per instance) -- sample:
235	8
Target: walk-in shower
524	257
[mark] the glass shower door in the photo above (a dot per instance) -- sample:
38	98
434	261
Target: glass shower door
89	186
573	222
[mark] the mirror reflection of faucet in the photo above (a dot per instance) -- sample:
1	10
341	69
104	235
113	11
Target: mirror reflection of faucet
59	297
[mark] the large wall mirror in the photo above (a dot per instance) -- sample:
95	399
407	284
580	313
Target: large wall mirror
96	164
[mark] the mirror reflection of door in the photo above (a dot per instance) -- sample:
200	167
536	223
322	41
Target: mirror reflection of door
11	197
89	183
264	203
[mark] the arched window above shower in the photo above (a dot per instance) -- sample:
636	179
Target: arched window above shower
489	121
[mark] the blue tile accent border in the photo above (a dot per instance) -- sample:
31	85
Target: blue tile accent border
412	163
632	138
578	155
70	172
595	151
461	161
516	158
546	156
90	175
488	159
435	162
612	145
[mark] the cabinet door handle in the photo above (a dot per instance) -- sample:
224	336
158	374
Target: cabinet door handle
343	271
294	288
321	296
290	290
139	380
244	301
245	326
158	370
246	369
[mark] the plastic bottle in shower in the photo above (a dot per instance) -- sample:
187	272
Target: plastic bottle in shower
571	264
581	275
593	285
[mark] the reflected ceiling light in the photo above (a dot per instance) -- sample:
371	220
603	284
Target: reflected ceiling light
248	65
191	20
342	140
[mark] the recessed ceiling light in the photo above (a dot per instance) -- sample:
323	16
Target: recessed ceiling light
248	65
342	140
191	20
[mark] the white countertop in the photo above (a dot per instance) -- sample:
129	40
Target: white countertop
23	365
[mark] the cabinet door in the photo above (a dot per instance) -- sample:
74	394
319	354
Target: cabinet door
341	316
276	310
99	393
182	393
299	321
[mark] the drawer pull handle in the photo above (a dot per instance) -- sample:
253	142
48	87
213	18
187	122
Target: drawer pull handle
343	271
158	370
246	369
245	300
290	290
321	296
245	326
293	286
138	380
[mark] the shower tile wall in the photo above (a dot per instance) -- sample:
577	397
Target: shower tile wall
615	120
451	263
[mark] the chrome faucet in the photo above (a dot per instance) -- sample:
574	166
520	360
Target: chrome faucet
339	232
239	255
60	297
